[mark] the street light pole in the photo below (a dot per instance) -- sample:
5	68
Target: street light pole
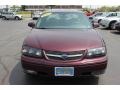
6	8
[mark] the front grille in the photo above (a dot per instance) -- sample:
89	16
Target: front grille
56	55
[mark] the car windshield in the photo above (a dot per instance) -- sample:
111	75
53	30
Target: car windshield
63	20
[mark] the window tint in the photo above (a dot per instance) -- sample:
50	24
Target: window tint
98	14
61	20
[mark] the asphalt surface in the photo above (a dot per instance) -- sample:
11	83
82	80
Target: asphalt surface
12	34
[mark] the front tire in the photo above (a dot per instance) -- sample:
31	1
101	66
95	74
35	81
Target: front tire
112	25
99	20
17	18
4	18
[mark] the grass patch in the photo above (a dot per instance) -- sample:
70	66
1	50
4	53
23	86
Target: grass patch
25	14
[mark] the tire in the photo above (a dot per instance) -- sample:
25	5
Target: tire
112	25
4	18
35	18
17	18
99	20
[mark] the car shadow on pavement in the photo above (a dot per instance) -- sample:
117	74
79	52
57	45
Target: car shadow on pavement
103	28
115	32
18	77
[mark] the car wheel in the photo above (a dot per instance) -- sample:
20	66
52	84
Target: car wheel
99	21
4	18
17	18
33	18
112	25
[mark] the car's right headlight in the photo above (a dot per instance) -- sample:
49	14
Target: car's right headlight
31	52
96	52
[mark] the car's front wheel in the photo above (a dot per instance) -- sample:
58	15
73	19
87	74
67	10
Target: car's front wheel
112	25
17	18
99	20
4	18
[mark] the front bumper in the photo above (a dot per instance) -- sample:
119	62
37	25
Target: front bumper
47	67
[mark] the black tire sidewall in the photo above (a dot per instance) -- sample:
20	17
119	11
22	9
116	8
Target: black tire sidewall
111	25
17	18
4	18
99	20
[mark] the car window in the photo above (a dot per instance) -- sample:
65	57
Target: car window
98	14
62	20
112	14
118	14
10	13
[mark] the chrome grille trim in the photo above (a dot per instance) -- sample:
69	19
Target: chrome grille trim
77	55
57	55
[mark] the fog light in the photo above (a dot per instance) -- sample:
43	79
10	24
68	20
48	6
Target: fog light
31	71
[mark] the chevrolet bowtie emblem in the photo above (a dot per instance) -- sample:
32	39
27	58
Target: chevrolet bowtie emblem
64	56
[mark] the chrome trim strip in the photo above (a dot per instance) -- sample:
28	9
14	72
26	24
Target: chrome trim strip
60	56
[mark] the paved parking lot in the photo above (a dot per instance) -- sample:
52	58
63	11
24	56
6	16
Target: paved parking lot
12	34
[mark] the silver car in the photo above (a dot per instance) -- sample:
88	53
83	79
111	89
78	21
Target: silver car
11	15
109	22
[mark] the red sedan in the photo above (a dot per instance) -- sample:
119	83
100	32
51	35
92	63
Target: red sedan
63	43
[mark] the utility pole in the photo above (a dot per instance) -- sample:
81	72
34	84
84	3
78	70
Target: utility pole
6	8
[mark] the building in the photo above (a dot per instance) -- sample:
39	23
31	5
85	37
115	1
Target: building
43	7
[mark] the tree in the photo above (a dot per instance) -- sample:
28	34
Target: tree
15	8
23	8
109	9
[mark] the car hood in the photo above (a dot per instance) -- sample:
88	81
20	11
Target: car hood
63	40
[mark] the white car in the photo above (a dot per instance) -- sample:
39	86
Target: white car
106	14
109	22
91	18
36	15
96	15
11	15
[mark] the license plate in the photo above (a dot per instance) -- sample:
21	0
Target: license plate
64	71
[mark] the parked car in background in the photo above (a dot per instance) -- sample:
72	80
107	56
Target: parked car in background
91	18
95	15
11	15
104	15
63	43
117	26
109	22
36	15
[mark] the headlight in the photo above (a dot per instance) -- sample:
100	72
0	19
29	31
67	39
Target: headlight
32	52
96	52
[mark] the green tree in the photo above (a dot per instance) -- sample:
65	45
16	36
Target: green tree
23	8
15	8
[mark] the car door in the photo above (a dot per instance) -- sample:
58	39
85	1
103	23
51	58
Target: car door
11	15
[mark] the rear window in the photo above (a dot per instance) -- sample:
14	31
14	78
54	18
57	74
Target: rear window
62	20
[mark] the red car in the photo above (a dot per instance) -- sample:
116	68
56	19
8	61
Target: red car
63	43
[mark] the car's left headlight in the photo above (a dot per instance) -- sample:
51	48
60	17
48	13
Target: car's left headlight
31	52
96	52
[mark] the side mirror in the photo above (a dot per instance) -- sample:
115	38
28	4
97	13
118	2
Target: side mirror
31	24
95	25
